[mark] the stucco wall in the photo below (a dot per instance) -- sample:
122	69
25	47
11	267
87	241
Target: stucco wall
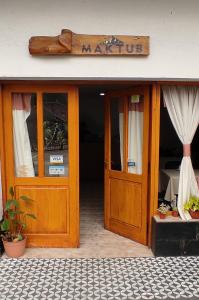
173	26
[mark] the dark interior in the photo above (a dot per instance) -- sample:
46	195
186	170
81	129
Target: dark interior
91	135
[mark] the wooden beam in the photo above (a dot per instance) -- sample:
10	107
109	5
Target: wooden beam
154	156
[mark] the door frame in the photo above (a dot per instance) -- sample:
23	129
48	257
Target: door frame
153	133
72	182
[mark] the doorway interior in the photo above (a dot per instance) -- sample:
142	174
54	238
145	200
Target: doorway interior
91	146
125	187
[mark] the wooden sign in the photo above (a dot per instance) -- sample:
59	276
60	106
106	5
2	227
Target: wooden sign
70	43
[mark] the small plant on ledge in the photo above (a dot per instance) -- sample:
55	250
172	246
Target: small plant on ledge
13	224
163	209
192	206
175	211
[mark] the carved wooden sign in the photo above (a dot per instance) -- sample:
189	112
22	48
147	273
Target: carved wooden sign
70	43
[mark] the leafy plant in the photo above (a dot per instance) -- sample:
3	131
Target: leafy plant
14	221
163	209
174	208
192	203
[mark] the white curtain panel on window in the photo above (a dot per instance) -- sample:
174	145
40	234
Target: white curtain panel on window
182	103
22	148
135	137
1	202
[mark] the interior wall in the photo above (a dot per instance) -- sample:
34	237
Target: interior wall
173	27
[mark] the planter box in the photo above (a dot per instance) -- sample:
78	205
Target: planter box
1	246
174	237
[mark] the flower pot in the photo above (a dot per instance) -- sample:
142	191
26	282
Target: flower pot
162	216
15	249
175	213
194	214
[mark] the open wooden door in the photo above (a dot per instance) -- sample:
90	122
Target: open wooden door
41	159
126	162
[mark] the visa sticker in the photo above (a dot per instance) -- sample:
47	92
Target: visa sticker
56	159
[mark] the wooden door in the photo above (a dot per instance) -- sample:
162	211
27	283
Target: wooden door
41	155
126	162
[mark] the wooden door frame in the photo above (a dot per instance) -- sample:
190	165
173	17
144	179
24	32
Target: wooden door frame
153	156
153	134
2	147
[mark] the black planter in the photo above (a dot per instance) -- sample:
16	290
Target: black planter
176	238
1	245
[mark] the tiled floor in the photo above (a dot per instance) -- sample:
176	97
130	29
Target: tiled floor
92	279
95	241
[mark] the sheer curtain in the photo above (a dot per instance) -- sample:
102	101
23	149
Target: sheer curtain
22	148
135	136
183	107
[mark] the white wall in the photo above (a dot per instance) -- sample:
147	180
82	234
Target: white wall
173	26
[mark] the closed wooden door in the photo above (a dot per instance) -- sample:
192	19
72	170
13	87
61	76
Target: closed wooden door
126	162
41	159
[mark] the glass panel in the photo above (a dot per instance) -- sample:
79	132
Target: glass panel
135	133
24	113
117	130
55	125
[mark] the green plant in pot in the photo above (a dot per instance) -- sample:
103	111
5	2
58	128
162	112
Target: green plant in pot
192	206
13	224
175	211
162	210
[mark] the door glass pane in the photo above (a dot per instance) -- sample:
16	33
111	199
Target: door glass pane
55	111
135	133
24	111
117	130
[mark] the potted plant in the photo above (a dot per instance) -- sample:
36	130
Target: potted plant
13	224
175	211
163	209
192	206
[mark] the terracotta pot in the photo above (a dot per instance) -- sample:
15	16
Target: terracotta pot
162	216
15	249
174	213
194	214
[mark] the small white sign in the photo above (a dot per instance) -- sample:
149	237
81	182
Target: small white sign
56	159
135	98
56	170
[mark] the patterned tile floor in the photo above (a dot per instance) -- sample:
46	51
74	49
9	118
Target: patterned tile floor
113	279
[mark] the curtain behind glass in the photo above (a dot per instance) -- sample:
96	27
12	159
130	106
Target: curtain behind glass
135	136
22	148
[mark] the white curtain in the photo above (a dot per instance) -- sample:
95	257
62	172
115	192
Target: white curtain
22	148
1	202
183	107
135	137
